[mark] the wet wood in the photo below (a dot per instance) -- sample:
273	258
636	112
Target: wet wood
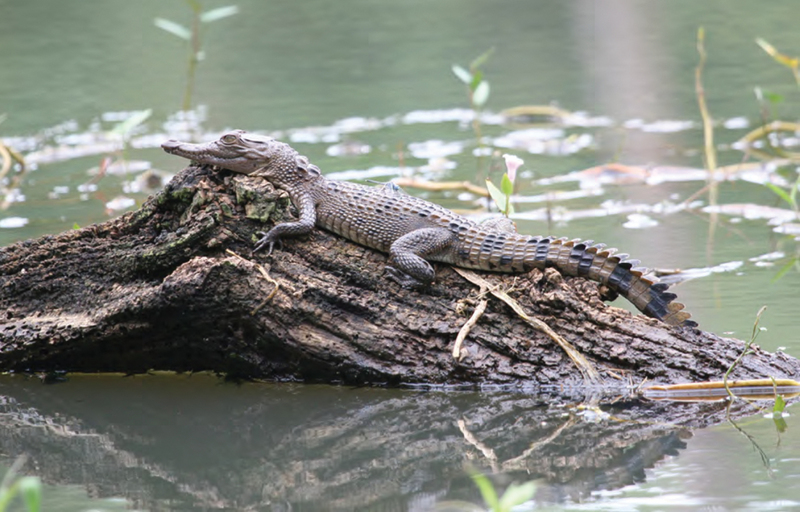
156	289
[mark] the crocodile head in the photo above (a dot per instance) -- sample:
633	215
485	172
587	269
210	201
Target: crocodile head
238	151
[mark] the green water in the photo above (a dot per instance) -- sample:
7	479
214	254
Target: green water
307	68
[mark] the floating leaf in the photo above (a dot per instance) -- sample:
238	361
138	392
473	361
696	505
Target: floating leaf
481	94
462	74
481	59
76	226
219	13
173	28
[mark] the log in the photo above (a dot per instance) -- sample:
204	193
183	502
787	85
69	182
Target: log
174	286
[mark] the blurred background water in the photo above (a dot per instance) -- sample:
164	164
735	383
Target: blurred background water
365	89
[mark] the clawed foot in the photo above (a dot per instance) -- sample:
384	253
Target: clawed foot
403	279
267	241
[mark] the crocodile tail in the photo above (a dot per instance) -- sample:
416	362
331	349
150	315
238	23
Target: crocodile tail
616	271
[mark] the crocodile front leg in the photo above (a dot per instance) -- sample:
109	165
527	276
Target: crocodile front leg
407	256
308	218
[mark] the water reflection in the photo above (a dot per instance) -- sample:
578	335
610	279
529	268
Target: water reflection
196	442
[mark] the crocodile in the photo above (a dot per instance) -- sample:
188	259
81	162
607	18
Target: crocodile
415	232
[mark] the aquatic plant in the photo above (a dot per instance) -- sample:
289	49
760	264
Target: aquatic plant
515	494
193	36
29	488
502	195
477	88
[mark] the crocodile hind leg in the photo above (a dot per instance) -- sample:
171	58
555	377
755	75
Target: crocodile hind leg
408	266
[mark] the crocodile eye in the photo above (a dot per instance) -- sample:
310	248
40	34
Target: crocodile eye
229	138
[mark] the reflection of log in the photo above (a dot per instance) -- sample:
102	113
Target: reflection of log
194	441
155	289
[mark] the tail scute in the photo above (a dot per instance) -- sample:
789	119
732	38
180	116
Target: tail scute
618	272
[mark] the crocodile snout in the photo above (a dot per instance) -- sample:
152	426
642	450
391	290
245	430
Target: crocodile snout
171	145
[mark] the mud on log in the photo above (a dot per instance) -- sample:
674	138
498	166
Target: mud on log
156	289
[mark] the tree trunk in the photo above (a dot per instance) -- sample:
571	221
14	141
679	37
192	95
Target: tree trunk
156	289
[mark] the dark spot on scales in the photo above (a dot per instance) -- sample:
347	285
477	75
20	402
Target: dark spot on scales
585	264
454	225
620	279
542	249
422	214
506	259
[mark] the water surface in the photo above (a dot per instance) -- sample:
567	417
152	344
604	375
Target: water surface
364	88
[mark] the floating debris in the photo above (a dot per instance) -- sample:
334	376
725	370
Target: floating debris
736	123
350	148
752	211
13	222
120	203
435	149
639	221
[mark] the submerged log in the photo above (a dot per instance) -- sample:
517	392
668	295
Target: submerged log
164	288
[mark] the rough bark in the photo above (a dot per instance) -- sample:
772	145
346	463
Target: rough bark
156	289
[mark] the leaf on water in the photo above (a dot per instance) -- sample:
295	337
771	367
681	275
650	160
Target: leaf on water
125	127
481	94
481	59
517	495
462	74
219	13
173	28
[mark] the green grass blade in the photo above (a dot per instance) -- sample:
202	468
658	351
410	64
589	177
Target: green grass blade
779	192
487	491
31	489
481	59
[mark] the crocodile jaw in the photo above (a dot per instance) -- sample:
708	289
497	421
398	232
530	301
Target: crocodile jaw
211	154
